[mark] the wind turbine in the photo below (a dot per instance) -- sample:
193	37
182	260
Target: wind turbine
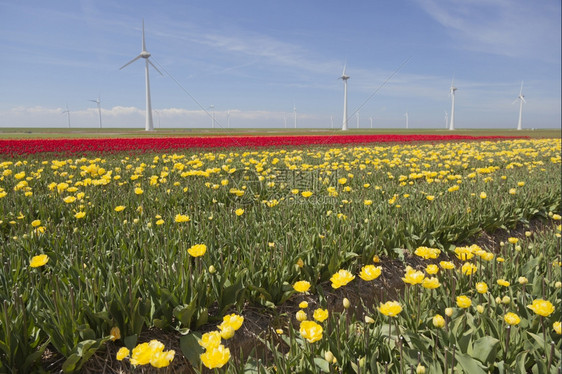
331	121
452	93
67	111
406	115
145	54
228	119
295	114
371	119
344	78
285	118
158	114
521	99
446	119
98	102
357	115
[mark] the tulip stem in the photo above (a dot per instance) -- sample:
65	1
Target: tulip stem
506	343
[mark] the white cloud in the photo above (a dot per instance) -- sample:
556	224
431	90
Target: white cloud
119	116
514	28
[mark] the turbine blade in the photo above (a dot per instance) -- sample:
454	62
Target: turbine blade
521	90
155	68
522	98
143	42
130	62
514	101
344	66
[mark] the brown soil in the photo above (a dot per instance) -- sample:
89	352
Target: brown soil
260	321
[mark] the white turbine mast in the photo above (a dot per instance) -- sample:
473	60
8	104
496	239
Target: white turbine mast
67	111
295	114
371	119
149	126
332	122
357	115
521	99
452	93
406	115
98	102
228	119
344	78
446	119
158	114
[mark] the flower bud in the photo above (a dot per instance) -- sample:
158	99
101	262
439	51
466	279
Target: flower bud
362	362
329	356
480	308
212	269
558	284
301	315
438	321
369	320
523	280
346	303
420	369
448	312
506	300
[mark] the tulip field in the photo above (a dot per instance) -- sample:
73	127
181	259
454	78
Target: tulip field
352	254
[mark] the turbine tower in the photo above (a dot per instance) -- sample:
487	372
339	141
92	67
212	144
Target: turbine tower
406	115
446	119
98	102
145	54
67	111
371	119
452	92
357	115
521	99
344	78
295	114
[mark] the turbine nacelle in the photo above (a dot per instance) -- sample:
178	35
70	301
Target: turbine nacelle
145	54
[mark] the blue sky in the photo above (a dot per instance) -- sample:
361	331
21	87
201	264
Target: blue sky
258	59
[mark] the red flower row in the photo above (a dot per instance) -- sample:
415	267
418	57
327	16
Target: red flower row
108	145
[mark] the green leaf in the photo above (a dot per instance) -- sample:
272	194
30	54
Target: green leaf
69	365
538	339
501	367
202	318
130	341
399	252
184	313
262	291
520	361
485	349
229	296
189	345
32	358
469	364
464	342
322	364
